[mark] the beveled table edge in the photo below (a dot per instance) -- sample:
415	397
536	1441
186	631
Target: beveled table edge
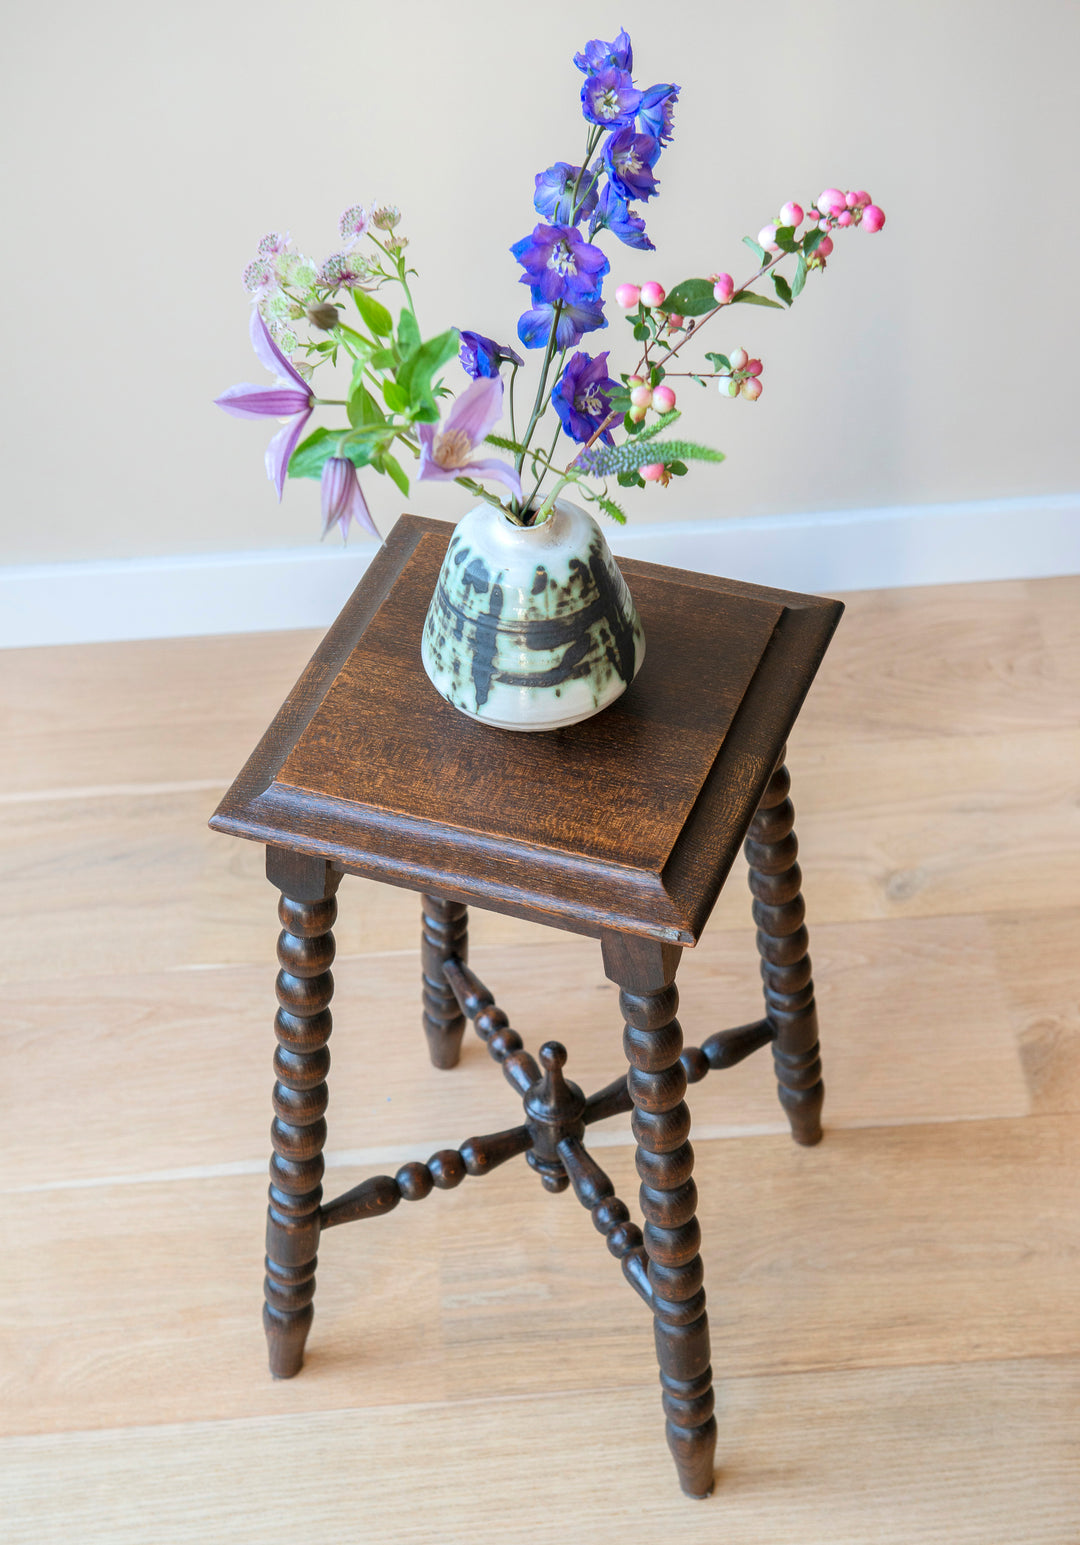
656	906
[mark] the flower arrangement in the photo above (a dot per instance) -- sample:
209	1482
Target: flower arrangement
617	424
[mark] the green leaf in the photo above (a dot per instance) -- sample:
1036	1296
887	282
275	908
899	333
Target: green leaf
362	446
678	468
656	375
415	375
748	298
641	333
396	400
609	507
757	249
630	480
691	298
311	454
408	333
384	359
362	407
813	241
374	313
783	289
719	361
785	238
799	280
393	468
356	341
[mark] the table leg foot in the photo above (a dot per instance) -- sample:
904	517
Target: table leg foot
694	1452
445	933
783	944
287	1328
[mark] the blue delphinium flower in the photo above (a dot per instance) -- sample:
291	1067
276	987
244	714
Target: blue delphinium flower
656	115
482	357
614	214
597	56
560	264
581	397
610	99
575	318
554	197
630	158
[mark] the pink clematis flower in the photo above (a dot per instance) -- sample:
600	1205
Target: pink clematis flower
290	400
343	499
449	450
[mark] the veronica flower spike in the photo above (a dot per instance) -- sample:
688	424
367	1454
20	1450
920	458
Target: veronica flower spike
290	400
450	449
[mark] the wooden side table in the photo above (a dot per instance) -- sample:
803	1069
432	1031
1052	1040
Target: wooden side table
622	828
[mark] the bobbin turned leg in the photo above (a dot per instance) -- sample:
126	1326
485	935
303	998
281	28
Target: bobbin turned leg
307	910
783	942
645	972
445	933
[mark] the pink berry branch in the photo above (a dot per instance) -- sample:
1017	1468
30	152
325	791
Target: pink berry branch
657	312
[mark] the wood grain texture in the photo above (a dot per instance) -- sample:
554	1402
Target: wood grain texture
892	1314
1036	955
930	1024
1001	657
97	714
934	1455
948	1244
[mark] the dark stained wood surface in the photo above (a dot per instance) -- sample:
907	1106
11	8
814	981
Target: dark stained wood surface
628	821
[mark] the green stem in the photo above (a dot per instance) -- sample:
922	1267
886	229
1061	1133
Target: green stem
545	461
480	491
549	499
513	378
538	405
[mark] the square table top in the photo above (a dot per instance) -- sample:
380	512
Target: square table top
629	820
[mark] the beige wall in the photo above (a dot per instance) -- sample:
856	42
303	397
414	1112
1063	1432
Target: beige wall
150	147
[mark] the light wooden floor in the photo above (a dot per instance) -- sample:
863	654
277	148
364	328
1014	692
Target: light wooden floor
896	1314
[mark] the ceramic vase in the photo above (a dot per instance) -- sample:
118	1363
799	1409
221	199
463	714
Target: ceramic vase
531	627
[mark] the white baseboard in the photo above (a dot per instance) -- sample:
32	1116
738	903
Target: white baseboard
933	544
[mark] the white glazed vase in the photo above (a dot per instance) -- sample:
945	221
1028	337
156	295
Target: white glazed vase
531	627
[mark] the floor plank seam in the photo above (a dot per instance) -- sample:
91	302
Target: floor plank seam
113	791
392	1155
